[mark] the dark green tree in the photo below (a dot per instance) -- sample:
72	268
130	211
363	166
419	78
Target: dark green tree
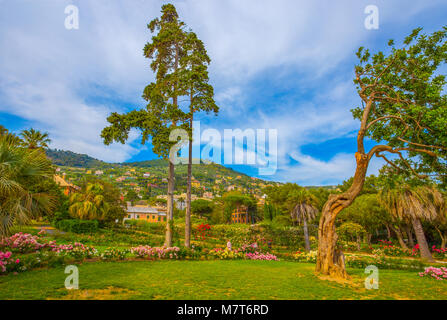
162	113
194	66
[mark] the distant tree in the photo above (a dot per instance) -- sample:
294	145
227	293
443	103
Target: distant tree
131	196
201	207
414	204
403	109
89	204
305	208
34	139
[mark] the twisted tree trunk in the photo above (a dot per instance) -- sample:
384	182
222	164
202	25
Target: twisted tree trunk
330	260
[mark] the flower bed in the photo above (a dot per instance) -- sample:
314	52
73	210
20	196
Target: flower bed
261	256
22	243
156	252
436	273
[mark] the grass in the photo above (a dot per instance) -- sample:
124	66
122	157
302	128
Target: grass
237	279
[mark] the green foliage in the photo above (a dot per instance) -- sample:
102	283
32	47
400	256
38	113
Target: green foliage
77	226
71	159
201	207
404	99
350	231
34	139
367	212
20	170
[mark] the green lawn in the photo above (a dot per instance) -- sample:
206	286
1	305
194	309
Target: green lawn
238	279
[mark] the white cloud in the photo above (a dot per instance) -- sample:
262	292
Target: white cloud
68	81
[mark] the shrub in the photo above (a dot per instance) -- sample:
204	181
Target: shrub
226	254
436	273
21	242
154	252
301	256
261	256
77	226
114	254
8	263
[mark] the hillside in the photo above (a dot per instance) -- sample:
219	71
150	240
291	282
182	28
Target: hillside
151	176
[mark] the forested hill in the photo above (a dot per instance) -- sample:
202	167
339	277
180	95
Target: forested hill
72	159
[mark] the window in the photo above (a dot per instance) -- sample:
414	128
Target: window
138	216
129	216
158	218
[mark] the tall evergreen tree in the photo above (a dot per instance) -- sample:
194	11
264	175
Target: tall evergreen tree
162	113
194	66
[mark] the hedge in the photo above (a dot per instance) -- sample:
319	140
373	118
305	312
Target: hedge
77	226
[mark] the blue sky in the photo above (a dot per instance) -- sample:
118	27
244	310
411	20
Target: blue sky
285	65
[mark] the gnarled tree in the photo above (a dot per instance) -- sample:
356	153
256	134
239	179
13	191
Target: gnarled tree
404	110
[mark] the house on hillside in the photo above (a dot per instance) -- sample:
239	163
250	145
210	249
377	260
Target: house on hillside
66	186
144	213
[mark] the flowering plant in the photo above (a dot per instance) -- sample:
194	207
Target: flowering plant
305	256
114	254
261	256
21	242
440	253
202	231
226	254
156	252
76	250
436	273
7	262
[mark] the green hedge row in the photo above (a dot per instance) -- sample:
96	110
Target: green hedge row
77	226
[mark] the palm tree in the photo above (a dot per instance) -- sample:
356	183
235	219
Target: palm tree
34	139
3	130
413	205
90	204
304	210
19	169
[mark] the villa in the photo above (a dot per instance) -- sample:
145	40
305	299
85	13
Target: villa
145	213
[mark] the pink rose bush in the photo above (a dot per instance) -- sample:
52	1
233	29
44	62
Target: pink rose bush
436	273
22	242
7	262
156	252
76	250
261	256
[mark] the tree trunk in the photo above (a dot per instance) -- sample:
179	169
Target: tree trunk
170	204
410	236
443	238
330	260
398	233
306	235
422	241
388	232
188	193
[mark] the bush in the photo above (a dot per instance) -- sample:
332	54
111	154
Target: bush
77	226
